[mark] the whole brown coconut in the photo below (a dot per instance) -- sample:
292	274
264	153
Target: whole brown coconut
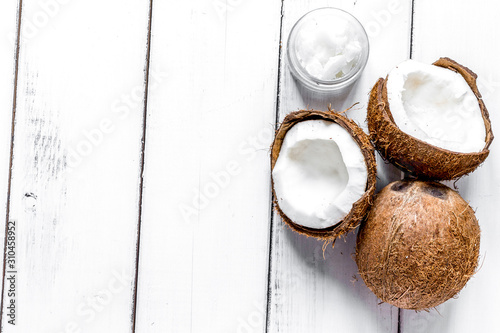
419	245
360	207
416	156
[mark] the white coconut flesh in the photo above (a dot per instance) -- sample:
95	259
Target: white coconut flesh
320	172
436	105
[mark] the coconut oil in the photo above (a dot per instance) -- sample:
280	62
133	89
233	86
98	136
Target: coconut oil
327	49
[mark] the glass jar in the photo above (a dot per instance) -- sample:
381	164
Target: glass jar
327	49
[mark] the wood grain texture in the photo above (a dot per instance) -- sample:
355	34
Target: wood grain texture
206	208
309	292
9	11
208	230
76	166
468	33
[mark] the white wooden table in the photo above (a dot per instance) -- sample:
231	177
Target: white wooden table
134	162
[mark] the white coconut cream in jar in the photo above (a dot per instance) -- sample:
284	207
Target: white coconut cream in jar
327	49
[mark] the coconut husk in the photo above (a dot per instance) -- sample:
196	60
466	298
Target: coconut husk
419	244
416	156
360	207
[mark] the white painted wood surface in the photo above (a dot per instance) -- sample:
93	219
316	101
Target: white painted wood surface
206	209
307	292
8	32
467	32
213	256
76	168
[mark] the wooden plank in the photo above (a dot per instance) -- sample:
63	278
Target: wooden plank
76	166
205	223
309	293
9	14
468	33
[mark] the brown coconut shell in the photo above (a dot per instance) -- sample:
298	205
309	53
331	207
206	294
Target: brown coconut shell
416	156
419	244
359	208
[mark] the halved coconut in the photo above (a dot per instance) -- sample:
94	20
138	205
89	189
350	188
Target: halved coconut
323	172
430	120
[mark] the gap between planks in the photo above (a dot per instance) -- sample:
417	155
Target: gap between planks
405	174
143	153
271	211
9	181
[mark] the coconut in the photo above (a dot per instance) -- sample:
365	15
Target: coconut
419	244
323	173
430	120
